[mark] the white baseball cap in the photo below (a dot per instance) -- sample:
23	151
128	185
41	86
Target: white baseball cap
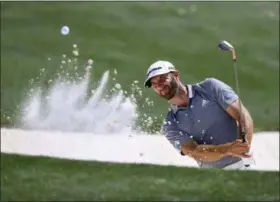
158	68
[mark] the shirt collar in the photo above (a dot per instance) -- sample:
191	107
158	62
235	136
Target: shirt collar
190	91
175	108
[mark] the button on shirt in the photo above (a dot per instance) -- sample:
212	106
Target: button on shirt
204	120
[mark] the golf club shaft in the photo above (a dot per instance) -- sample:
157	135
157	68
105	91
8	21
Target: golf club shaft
240	127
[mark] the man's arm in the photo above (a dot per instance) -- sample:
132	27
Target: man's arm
214	152
187	146
229	101
246	119
205	152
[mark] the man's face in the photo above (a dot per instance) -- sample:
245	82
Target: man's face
165	85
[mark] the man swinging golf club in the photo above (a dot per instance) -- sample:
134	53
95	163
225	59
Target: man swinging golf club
204	118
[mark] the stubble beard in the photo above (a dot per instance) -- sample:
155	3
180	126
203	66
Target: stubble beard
173	90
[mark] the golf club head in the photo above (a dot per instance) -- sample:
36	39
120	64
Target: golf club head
225	46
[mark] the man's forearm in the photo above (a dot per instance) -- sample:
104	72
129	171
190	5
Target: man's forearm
246	120
247	123
207	152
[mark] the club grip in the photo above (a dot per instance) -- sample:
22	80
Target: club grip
242	134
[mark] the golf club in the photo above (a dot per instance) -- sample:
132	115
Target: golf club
226	46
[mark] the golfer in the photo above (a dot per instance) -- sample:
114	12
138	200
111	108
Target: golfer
202	122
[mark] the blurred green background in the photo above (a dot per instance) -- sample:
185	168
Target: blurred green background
129	36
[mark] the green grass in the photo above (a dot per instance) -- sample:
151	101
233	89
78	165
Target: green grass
45	179
129	36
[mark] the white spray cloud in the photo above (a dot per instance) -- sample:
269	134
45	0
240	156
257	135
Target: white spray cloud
70	105
66	108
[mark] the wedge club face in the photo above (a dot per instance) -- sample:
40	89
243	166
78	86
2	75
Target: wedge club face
225	46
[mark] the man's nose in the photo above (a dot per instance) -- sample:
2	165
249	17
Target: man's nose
159	86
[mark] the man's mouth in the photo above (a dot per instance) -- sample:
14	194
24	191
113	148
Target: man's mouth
164	91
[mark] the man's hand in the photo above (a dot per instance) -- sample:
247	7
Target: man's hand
239	149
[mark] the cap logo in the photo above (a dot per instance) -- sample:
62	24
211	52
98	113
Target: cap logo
153	70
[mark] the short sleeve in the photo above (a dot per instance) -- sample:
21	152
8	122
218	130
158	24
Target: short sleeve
175	136
222	92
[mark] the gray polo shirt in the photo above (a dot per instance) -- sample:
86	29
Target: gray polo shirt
204	119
